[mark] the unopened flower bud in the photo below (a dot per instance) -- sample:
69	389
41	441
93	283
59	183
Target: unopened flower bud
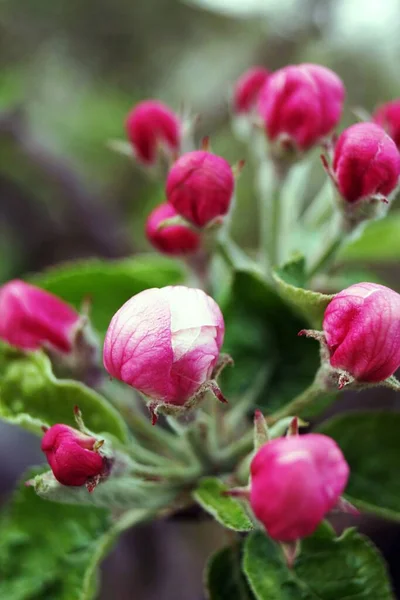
295	482
300	105
165	342
31	318
388	117
362	331
366	163
151	125
172	239
200	186
247	89
73	456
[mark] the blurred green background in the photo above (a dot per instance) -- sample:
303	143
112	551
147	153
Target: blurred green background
70	70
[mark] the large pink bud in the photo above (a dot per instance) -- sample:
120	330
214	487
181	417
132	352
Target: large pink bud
31	318
388	117
247	89
295	482
152	124
300	105
362	330
366	163
72	455
165	342
200	186
171	239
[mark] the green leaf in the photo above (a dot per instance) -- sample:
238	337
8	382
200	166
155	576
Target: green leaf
227	511
223	578
327	568
30	396
46	548
379	241
261	334
108	284
370	442
290	280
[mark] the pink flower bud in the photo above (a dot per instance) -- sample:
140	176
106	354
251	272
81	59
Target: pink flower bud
151	124
362	331
172	239
247	89
366	162
165	342
71	455
300	105
200	186
295	482
388	117
31	318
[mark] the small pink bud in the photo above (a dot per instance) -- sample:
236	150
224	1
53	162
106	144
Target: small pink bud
172	239
300	105
247	89
152	124
31	318
362	331
165	342
366	162
200	186
295	482
388	117
72	455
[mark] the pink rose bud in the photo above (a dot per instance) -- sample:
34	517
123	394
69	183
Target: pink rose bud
388	117
295	482
200	186
362	331
165	342
366	163
171	239
247	89
31	318
300	105
72	455
152	124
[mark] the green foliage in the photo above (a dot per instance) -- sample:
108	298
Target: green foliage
224	579
370	442
227	511
327	568
30	396
108	284
380	241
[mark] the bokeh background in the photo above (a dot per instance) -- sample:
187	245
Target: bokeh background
69	72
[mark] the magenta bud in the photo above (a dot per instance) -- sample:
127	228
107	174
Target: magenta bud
151	125
172	239
300	105
165	342
295	482
388	117
200	186
247	89
362	331
72	455
366	163
31	318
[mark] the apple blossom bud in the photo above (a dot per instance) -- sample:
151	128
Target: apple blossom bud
200	186
295	482
247	89
300	105
31	318
73	456
165	342
171	239
362	331
388	117
152	124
